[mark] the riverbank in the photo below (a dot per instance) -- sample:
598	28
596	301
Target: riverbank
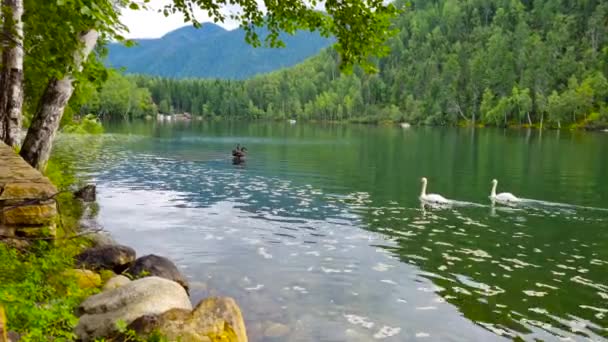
75	282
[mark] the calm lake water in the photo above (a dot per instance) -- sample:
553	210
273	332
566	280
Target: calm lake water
320	235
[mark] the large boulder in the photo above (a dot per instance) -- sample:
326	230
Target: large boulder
154	265
108	257
213	319
147	296
116	282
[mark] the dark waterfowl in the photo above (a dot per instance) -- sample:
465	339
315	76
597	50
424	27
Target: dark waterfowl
238	154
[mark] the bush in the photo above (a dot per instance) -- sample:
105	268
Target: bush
39	304
89	124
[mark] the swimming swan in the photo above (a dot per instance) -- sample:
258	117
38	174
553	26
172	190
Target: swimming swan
431	198
503	197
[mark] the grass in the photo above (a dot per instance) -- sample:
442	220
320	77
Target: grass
40	303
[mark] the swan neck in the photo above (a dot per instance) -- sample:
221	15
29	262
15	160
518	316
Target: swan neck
493	194
423	192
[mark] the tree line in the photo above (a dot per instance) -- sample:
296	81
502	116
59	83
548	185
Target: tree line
51	53
495	62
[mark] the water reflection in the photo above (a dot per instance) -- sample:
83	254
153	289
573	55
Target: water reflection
338	261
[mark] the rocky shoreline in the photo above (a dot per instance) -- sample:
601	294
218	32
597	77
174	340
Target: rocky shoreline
130	298
147	296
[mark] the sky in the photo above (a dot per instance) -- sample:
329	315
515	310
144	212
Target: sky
151	24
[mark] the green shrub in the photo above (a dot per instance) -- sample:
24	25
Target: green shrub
89	124
39	304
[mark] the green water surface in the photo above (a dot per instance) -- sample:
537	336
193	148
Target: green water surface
321	228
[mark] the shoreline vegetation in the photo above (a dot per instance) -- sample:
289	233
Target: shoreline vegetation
186	117
81	285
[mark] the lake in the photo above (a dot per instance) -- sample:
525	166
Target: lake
320	235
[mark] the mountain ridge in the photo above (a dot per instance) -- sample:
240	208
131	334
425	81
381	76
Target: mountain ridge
211	52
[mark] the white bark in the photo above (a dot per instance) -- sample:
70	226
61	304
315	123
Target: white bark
39	140
542	114
11	75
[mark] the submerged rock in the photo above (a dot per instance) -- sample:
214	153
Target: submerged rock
87	193
213	319
274	330
148	296
110	257
116	282
154	265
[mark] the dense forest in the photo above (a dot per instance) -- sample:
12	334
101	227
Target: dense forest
497	62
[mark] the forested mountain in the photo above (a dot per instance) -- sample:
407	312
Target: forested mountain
492	61
211	51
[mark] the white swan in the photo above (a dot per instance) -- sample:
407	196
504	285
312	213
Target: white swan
431	198
503	197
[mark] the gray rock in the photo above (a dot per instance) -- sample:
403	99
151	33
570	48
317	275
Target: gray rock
148	296
99	238
19	244
87	193
275	330
154	265
110	257
13	336
116	282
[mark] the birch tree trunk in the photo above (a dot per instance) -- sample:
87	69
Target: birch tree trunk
11	75
542	114
38	142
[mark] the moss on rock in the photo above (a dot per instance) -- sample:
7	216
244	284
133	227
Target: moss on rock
30	215
85	279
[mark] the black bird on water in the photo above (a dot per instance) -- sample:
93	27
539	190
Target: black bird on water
238	154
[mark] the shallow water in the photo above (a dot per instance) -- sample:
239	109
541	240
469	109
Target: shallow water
321	229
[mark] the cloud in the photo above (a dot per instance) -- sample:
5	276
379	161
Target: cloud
152	24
